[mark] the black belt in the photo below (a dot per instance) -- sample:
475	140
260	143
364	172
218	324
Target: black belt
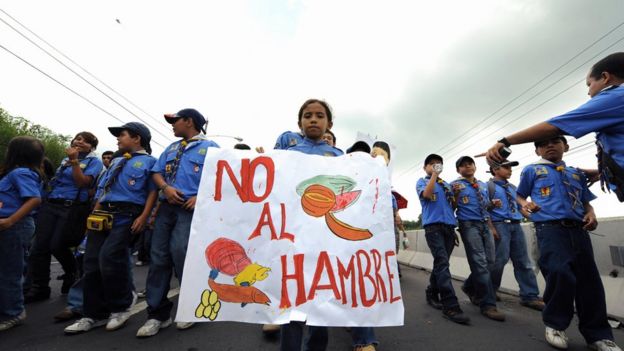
508	221
438	225
566	223
66	202
122	207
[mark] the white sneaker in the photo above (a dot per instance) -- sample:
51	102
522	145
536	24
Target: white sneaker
84	325
271	329
184	325
151	327
556	338
604	345
118	319
12	322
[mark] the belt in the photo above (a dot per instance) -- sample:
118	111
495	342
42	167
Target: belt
434	225
66	202
566	223
128	207
508	221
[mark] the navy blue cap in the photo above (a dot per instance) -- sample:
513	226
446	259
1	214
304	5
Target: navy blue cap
464	159
432	157
198	118
136	127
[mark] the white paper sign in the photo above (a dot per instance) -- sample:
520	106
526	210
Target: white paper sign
288	236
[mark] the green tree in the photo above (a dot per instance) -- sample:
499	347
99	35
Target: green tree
10	127
413	225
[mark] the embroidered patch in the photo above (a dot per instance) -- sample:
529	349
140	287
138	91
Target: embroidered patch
541	170
201	151
167	168
137	164
292	142
196	168
434	197
174	147
576	176
328	154
545	191
131	182
465	199
83	166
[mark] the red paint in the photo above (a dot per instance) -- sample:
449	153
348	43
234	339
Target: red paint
393	298
267	220
244	188
323	265
298	277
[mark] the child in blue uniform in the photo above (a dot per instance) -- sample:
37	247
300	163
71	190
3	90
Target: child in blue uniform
478	235
562	215
506	216
20	194
177	174
438	203
128	193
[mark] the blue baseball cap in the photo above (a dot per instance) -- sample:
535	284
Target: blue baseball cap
198	119
138	128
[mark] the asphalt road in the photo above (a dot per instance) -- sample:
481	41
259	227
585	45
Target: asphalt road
424	329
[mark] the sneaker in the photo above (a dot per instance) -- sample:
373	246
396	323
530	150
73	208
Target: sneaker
493	313
433	300
604	345
365	348
151	327
117	320
66	314
12	322
556	338
537	305
271	329
141	294
36	294
456	315
84	325
184	325
139	263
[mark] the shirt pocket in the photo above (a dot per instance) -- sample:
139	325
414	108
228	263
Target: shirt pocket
197	163
545	188
136	178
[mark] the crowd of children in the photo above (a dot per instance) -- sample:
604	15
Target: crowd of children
108	202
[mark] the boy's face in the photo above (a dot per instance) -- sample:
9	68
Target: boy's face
429	167
552	150
106	160
314	121
595	85
467	169
127	143
503	172
182	126
329	139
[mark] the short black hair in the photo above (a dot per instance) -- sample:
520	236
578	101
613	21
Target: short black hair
560	137
332	134
242	146
308	102
614	64
89	138
107	152
144	142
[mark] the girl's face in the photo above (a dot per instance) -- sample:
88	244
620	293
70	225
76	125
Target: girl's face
81	144
125	142
314	121
329	139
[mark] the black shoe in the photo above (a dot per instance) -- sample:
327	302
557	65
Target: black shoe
34	295
68	281
433	300
471	296
456	315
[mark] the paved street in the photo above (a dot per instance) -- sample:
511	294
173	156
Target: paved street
424	329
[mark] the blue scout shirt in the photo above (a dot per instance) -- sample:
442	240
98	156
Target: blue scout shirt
469	206
190	167
544	183
311	147
16	187
133	183
438	209
63	186
603	114
395	204
288	139
504	212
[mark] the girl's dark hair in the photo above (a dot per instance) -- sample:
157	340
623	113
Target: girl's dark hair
332	134
614	64
23	151
47	168
144	143
311	101
89	138
384	146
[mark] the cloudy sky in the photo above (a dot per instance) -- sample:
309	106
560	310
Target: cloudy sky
447	76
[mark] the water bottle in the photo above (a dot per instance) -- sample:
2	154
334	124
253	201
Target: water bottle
405	242
438	167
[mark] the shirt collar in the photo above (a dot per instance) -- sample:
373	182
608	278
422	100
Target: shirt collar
549	163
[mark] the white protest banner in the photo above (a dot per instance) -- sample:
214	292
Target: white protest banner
288	236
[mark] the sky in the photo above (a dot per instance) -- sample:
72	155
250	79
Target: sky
449	77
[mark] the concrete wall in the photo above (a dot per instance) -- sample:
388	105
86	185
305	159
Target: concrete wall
607	239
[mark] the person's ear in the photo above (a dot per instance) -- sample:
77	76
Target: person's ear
300	127
566	148
537	152
330	124
606	76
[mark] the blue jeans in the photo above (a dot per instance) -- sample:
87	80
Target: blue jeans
572	278
107	282
14	242
169	242
291	337
479	244
512	244
441	242
363	336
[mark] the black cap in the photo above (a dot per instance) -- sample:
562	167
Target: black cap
560	137
432	157
198	118
359	146
505	163
138	128
462	160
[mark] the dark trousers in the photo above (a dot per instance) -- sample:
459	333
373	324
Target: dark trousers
107	279
50	239
291	337
567	262
441	241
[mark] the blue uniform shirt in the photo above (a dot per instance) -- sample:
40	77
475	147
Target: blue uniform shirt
545	185
438	209
134	182
288	139
16	187
603	114
469	206
190	167
311	147
63	186
504	212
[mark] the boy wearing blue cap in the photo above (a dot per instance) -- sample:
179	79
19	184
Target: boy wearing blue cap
478	235
177	174
437	202
127	194
562	215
